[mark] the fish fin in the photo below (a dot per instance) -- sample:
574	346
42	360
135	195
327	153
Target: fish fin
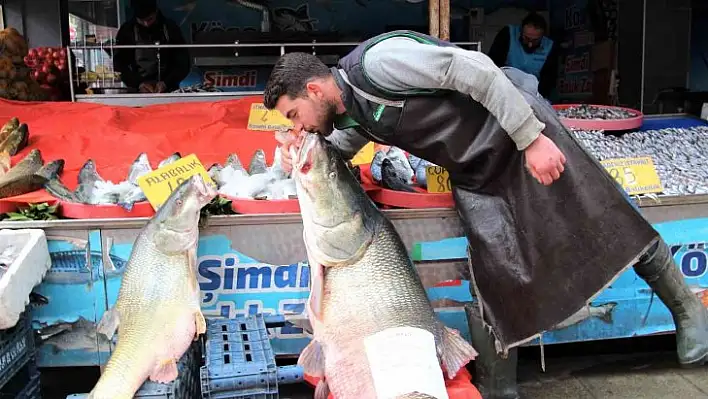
201	324
128	206
607	316
456	351
314	302
165	372
109	323
312	359
322	389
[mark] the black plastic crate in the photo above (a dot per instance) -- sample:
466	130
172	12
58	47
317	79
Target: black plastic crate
16	347
24	384
240	363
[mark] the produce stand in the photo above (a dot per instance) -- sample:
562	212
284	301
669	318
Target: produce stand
256	263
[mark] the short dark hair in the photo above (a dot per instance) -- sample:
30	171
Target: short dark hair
535	20
290	74
143	8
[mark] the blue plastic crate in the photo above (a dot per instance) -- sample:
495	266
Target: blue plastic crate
16	347
186	386
239	361
25	384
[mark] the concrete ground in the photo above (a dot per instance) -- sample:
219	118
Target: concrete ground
638	368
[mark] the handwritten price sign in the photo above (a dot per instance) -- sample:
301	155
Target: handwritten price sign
635	175
158	185
438	180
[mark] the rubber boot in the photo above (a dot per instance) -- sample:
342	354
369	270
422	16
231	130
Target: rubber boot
494	376
658	269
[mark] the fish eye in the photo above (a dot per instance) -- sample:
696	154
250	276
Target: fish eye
332	175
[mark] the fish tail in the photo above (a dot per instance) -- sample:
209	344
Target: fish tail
322	390
607	315
456	351
312	359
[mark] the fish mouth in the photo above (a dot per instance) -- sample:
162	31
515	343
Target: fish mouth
304	158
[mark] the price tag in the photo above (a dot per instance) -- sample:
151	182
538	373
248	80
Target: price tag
438	180
404	360
365	155
635	175
261	118
159	184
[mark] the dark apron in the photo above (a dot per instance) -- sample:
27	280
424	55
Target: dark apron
148	60
538	254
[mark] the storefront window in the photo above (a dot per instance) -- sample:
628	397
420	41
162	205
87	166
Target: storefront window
93	23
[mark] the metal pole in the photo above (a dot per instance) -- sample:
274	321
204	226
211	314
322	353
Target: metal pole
644	48
70	65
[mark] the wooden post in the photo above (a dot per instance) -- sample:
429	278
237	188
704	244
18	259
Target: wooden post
434	17
444	7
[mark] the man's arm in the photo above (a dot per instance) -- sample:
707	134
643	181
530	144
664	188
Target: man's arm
400	64
178	68
347	141
124	58
549	72
500	47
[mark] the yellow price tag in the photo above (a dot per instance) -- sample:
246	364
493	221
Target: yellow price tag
438	180
635	175
261	118
159	184
365	155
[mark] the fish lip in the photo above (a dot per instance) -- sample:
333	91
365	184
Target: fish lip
309	142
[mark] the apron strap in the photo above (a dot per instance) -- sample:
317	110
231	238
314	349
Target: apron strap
370	97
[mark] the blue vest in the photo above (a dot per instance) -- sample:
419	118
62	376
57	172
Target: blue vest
520	59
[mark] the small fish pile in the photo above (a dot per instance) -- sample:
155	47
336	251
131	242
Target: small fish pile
680	155
92	189
198	88
260	181
30	174
585	111
397	171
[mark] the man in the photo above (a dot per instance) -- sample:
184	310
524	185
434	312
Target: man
527	48
548	228
150	70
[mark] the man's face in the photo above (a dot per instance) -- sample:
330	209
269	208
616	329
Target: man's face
312	112
149	20
531	38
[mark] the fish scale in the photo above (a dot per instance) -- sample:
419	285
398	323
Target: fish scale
680	155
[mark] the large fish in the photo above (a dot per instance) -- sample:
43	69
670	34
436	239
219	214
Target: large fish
23	177
16	141
8	128
364	287
157	313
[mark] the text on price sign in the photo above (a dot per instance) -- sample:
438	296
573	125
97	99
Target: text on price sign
438	180
159	184
636	175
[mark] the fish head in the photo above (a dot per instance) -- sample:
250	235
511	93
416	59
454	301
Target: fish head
175	225
337	215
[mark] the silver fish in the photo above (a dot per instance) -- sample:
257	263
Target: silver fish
233	161
258	163
602	312
157	323
680	155
376	165
363	282
400	162
585	111
139	167
393	178
88	176
171	159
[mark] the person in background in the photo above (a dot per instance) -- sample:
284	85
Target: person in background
150	70
525	47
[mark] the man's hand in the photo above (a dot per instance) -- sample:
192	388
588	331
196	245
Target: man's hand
146	87
288	139
160	87
544	160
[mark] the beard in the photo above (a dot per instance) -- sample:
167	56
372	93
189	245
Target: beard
327	111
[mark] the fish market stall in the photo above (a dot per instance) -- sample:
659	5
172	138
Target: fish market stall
255	261
218	72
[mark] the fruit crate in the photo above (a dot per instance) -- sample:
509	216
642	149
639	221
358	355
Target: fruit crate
25	384
16	347
186	386
239	361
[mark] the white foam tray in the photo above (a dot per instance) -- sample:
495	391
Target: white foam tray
28	270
